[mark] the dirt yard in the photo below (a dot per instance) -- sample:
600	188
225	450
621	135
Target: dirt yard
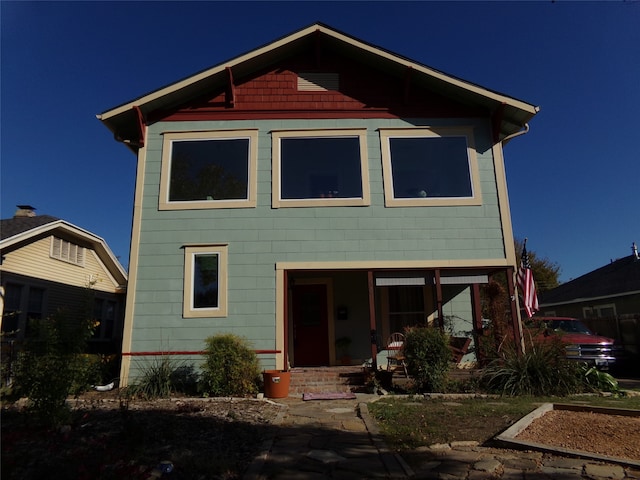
110	439
610	435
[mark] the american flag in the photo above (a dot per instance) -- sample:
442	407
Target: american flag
526	284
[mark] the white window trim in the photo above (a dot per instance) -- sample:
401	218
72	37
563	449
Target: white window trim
165	173
598	309
277	202
421	132
190	251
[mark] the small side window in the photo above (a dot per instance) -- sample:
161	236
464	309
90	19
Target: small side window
205	281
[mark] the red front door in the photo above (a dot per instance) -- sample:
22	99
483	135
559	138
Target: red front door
310	326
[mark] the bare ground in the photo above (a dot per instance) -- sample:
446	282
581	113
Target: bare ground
603	434
110	438
113	439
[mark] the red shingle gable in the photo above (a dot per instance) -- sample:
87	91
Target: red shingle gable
363	91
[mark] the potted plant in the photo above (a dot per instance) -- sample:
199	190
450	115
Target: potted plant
342	350
276	383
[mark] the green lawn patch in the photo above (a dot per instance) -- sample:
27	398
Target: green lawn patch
408	423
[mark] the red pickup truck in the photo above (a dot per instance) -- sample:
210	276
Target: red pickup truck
580	342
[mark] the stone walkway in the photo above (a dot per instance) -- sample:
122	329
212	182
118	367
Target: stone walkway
337	439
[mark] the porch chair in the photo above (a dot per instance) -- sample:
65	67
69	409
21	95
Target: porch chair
395	353
459	347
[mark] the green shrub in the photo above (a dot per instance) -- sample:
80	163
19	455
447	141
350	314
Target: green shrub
109	368
231	367
542	370
596	380
185	379
86	370
47	367
428	358
465	385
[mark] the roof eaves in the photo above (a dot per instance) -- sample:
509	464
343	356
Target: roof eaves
589	299
92	238
208	72
529	109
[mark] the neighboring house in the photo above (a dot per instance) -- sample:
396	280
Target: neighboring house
607	292
49	264
313	189
608	299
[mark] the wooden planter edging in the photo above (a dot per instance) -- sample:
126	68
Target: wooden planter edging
509	440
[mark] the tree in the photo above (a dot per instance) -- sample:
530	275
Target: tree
545	272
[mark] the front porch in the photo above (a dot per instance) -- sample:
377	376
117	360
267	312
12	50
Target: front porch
346	317
342	379
345	379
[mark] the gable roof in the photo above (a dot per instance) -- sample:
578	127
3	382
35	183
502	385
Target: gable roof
19	231
621	277
124	121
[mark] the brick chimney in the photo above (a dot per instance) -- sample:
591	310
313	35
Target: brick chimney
25	211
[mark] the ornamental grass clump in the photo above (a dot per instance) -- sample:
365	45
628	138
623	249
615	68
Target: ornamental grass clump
154	381
428	358
542	370
231	367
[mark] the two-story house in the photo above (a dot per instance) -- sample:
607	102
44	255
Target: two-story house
315	188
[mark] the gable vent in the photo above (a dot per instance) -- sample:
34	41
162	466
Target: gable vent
318	82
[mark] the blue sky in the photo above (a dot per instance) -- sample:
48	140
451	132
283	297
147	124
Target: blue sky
573	180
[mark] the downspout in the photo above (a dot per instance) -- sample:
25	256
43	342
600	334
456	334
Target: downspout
515	311
516	134
139	143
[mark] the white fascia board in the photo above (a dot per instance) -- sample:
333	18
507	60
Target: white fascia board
532	109
591	299
436	74
206	73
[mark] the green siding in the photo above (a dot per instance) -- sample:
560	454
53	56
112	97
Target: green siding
259	237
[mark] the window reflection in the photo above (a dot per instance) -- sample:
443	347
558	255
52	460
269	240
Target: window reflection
321	167
430	167
216	169
205	281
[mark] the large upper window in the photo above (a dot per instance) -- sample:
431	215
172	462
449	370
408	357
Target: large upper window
320	168
205	281
209	170
434	166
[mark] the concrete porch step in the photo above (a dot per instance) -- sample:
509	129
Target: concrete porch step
326	379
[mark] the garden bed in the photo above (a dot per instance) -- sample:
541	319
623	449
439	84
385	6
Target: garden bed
600	433
109	438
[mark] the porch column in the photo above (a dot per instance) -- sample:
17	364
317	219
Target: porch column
439	298
476	306
515	314
372	319
285	317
